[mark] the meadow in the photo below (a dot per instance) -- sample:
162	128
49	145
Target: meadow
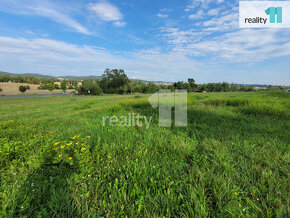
57	159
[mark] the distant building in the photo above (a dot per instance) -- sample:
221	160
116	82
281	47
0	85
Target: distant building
288	90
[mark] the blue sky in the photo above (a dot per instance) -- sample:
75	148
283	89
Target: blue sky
167	40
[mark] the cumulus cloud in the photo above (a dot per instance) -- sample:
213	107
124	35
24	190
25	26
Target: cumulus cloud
107	12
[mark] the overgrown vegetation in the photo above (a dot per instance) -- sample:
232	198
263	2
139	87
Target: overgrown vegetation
232	160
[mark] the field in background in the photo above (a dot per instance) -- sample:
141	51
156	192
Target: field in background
10	88
57	159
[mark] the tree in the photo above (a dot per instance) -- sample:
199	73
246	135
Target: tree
1	89
36	80
89	87
63	85
179	85
50	86
234	88
192	84
74	83
56	86
22	88
114	81
225	87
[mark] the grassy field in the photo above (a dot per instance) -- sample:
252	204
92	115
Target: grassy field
57	159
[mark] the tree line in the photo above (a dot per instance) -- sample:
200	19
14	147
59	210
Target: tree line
115	81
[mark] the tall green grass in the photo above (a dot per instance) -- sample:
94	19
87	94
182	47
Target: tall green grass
231	160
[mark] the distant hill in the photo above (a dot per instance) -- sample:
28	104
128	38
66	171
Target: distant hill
78	78
26	74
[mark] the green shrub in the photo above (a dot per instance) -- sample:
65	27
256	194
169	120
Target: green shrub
90	88
23	88
1	89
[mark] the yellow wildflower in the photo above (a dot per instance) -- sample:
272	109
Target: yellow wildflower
60	155
83	143
77	143
73	137
258	199
6	153
56	143
0	151
83	149
70	143
62	147
88	137
236	193
69	158
75	150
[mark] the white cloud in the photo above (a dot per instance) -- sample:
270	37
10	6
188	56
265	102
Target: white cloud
59	17
106	11
197	15
213	12
43	8
120	23
166	10
199	3
246	45
162	15
59	58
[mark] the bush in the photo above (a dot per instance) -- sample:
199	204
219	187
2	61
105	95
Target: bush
90	88
23	88
1	89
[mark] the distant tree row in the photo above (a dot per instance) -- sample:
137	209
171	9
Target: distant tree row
115	81
24	79
64	85
190	86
